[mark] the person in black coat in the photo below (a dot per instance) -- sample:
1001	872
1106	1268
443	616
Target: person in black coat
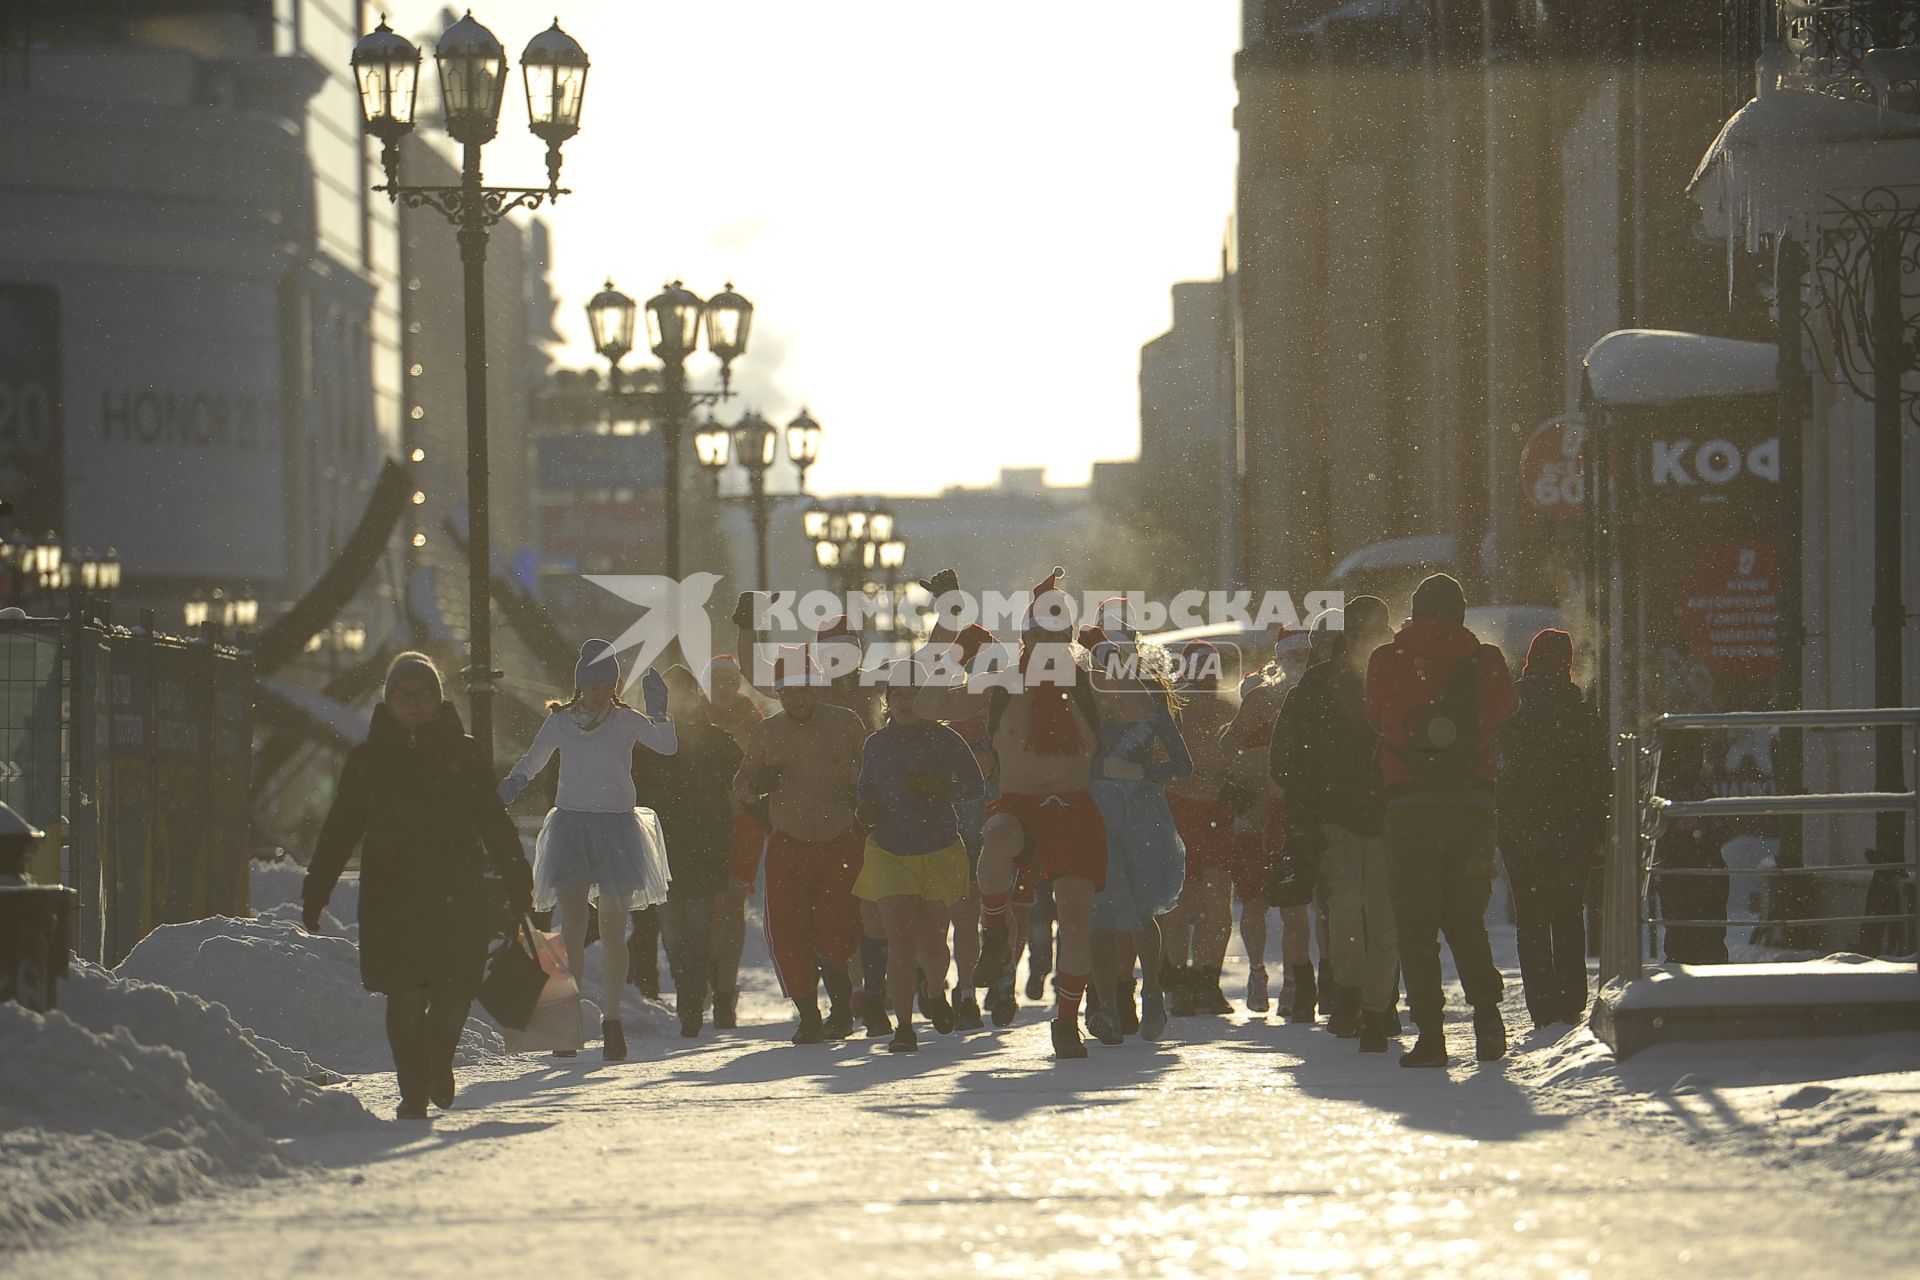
1555	778
417	799
691	790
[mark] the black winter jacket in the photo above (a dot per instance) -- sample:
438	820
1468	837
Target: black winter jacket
1324	752
692	791
1555	774
421	806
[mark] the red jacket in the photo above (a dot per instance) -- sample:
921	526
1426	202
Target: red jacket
1409	673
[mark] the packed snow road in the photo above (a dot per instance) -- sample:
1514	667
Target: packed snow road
1260	1149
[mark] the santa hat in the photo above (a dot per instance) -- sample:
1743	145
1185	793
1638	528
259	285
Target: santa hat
1051	608
1091	637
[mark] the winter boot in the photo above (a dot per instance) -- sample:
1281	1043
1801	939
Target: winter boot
996	954
1153	1014
1373	1032
1104	1026
1002	1005
1257	1000
839	1020
1430	1050
1066	1039
1304	994
966	1012
1036	983
1207	996
812	1030
1344	1021
1489	1034
1128	1014
873	1016
1326	986
1177	982
1394	1026
415	1109
726	1010
441	1095
690	1026
934	1005
904	1040
613	1040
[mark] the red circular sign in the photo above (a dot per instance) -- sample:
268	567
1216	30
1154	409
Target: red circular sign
1552	470
1728	608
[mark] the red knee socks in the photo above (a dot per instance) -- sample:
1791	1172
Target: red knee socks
993	909
1068	988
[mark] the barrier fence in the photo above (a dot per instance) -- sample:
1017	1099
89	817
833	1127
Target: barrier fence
133	752
1642	816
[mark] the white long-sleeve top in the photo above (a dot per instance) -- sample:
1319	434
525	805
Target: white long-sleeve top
596	765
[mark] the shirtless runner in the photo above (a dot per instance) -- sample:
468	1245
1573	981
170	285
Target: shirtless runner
806	759
1044	822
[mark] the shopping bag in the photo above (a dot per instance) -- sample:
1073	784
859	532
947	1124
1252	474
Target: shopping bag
514	979
554	1021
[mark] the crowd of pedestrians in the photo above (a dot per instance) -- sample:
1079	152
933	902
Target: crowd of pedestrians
920	832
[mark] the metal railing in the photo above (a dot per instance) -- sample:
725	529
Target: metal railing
1641	816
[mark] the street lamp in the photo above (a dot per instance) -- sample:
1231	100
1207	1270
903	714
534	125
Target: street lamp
852	541
196	610
803	443
611	315
756	442
472	66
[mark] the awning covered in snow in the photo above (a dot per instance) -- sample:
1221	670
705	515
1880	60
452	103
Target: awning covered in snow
1433	550
1779	159
1648	367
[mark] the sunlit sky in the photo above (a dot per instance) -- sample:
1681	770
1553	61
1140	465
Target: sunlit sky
957	223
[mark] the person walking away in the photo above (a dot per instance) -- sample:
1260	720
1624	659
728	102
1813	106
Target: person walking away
597	846
1324	760
417	800
914	869
1691	844
692	791
1141	750
806	760
1437	697
1555	779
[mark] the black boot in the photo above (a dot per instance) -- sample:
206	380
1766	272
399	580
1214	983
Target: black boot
1304	994
726	1016
1177	981
873	1017
1489	1034
1128	1014
1207	996
1373	1032
904	1040
1430	1050
934	1005
811	1027
838	1024
1066	1039
613	1040
996	951
1344	1021
966	1011
1003	1006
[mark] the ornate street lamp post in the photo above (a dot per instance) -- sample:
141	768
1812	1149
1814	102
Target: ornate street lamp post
472	65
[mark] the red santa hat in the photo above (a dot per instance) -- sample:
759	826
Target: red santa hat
1051	608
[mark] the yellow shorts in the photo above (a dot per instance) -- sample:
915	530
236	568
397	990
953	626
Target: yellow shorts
942	877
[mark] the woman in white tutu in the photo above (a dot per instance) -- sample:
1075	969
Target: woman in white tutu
597	845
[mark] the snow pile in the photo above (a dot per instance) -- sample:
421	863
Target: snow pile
286	985
93	1123
273	1086
1852	1102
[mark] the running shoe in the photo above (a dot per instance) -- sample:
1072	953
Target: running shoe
939	1012
1066	1039
1036	983
1104	1026
1153	1014
1002	1004
904	1041
966	1013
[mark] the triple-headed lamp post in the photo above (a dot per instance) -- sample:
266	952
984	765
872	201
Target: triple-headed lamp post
756	443
473	75
676	320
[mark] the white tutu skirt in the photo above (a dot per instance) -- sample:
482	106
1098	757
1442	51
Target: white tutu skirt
616	857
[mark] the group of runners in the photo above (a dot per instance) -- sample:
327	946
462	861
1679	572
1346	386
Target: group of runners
1101	813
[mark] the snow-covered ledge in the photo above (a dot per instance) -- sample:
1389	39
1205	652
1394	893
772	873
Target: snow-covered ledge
1643	368
1841	995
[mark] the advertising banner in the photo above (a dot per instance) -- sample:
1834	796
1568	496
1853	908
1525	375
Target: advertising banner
32	469
181	710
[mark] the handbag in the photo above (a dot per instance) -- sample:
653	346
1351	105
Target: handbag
514	979
553	1024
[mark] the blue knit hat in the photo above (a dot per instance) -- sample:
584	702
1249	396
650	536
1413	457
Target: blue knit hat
598	665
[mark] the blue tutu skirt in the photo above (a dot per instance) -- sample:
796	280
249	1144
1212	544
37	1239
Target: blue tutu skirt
616	857
1146	859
